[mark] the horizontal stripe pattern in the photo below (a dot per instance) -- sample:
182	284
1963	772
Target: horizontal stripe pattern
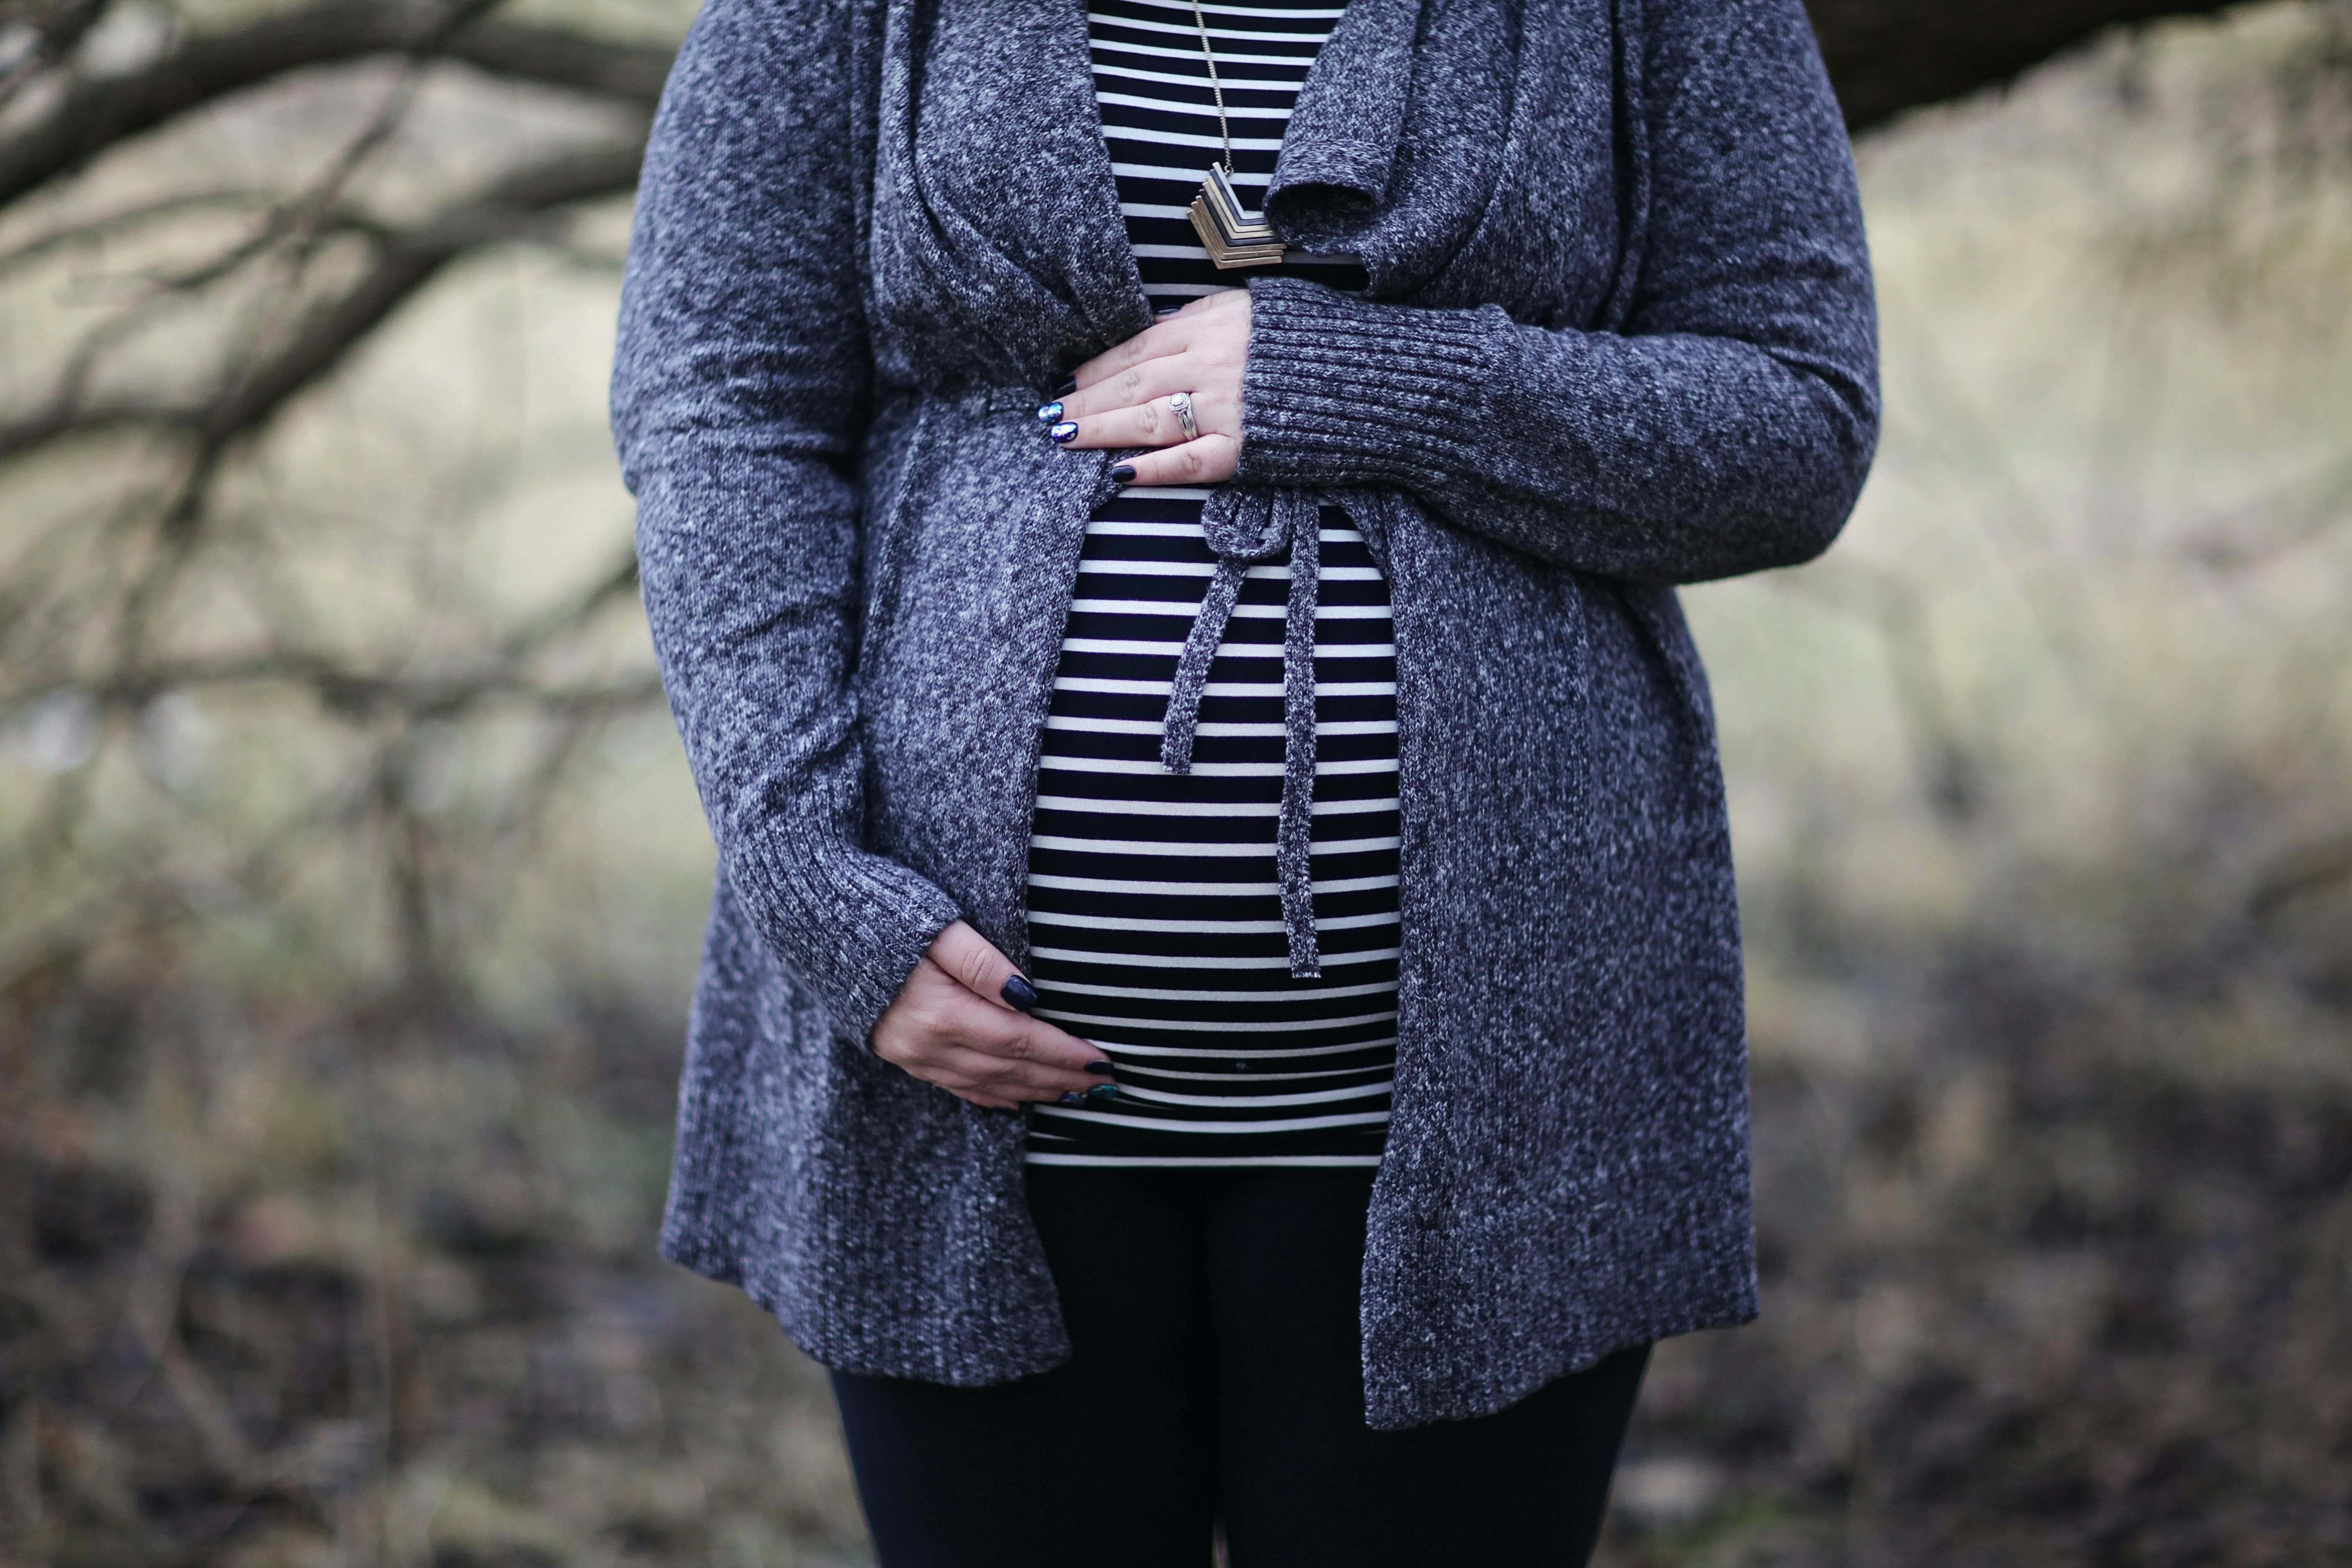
1155	917
1159	122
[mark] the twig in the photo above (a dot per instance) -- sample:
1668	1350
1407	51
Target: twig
54	38
619	582
507	208
306	218
92	116
2292	517
2301	873
1951	773
301	218
97	230
355	693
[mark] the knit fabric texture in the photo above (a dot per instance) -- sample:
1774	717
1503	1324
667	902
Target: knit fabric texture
1618	335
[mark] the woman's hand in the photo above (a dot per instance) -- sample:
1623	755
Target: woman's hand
1122	395
948	1026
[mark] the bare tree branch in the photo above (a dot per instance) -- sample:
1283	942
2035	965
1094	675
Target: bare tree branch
107	225
355	693
306	215
508	208
2304	872
2254	534
96	113
57	29
62	420
410	262
1887	55
535	635
561	58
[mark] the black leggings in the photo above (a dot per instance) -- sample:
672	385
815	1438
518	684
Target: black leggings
1216	1380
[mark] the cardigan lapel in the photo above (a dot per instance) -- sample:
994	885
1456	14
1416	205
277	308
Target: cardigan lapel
996	222
1088	252
1000	254
1341	143
1398	75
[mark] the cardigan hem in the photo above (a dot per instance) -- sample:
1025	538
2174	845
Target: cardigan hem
1398	1409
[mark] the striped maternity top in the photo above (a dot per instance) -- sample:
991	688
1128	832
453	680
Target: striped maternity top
1155	917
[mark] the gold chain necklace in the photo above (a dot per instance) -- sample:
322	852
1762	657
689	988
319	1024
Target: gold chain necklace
1208	52
1232	236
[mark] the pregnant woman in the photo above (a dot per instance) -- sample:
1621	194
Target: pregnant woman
1221	1017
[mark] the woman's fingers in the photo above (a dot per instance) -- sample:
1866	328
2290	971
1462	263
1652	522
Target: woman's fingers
1037	1052
1203	317
974	962
1123	397
968	1071
1207	375
942	1030
980	1074
1153	424
1006	1028
1207	462
1167	336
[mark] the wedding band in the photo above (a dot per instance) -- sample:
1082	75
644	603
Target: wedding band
1180	403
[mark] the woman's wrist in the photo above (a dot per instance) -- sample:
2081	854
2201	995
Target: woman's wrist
1343	391
849	926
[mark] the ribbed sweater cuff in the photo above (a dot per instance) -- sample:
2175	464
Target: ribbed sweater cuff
848	925
1345	391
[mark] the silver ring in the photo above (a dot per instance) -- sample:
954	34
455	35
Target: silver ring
1180	403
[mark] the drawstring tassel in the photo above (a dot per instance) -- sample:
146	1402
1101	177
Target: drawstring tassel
1244	527
1294	844
1176	732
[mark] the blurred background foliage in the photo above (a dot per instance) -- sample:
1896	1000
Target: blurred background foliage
350	879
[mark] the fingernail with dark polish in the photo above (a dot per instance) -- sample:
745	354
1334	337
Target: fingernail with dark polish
1122	473
1102	1091
1017	992
1063	431
1103	1067
1068	386
1048	412
1167	309
1072	1096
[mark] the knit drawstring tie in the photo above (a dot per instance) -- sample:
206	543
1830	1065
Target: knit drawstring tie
1245	526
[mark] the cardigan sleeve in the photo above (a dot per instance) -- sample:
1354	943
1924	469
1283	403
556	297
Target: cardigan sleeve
739	387
1726	427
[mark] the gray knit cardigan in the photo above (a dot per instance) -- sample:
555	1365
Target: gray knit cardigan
1619	335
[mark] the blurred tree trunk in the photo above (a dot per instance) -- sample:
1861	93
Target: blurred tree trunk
69	98
322	263
1887	55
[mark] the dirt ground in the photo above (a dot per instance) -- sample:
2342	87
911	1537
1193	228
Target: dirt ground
274	1292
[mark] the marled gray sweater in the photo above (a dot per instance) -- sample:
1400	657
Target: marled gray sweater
1619	336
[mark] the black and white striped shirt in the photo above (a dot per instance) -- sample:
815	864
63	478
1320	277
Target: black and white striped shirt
1155	917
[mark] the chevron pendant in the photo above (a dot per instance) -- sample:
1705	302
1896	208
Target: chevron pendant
1232	236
